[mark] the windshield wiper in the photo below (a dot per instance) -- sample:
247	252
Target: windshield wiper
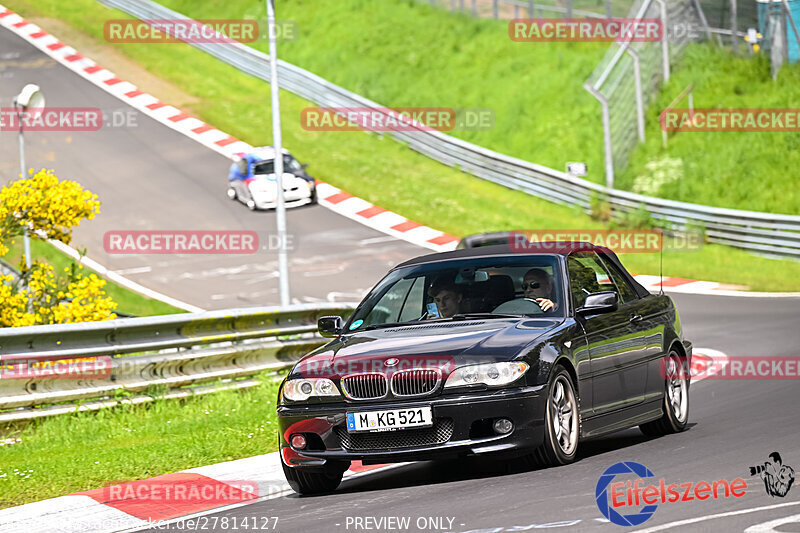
463	316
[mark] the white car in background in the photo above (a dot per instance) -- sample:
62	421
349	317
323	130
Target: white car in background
251	180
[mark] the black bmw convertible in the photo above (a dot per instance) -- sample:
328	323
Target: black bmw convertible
485	351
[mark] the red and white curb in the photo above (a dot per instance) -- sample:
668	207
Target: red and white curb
219	141
329	196
157	501
146	503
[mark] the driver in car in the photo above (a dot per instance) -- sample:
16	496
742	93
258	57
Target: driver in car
538	286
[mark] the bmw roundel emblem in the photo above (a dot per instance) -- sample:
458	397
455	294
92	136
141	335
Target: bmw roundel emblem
391	361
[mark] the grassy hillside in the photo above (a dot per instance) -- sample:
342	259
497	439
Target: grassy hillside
405	53
377	169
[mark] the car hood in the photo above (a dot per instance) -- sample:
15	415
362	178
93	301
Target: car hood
437	344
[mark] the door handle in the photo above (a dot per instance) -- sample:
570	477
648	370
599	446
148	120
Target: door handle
635	318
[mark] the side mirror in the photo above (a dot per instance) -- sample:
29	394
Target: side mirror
304	166
599	302
330	326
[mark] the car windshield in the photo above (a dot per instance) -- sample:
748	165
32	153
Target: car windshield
290	164
493	287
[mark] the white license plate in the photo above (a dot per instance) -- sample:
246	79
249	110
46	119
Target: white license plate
416	417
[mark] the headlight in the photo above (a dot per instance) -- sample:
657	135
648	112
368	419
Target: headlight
298	390
492	374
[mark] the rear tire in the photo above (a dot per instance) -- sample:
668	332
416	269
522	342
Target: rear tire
562	423
312	482
676	400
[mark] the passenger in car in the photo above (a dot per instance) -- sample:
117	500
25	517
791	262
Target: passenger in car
447	296
538	286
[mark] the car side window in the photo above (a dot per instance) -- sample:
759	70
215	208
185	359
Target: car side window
586	276
396	302
626	292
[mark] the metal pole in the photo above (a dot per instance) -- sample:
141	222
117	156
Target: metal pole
609	159
734	33
608	9
639	100
26	240
280	208
569	9
791	21
664	42
474	8
495	9
530	9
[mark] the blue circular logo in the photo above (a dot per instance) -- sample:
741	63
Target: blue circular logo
602	498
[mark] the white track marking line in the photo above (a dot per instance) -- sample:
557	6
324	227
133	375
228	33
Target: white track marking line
703	518
769	527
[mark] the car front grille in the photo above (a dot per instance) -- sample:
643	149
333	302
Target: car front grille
367	386
417	382
440	433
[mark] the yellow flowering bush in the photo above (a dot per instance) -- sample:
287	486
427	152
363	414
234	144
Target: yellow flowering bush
50	208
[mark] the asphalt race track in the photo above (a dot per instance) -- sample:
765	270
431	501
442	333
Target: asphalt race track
733	424
150	177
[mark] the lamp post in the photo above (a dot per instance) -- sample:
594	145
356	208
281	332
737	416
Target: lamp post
280	208
29	97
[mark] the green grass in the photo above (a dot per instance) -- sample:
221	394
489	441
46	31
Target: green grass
71	453
128	301
378	169
405	53
754	171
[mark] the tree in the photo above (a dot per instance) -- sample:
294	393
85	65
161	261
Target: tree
49	208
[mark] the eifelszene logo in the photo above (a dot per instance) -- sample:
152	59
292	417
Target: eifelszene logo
629	494
778	477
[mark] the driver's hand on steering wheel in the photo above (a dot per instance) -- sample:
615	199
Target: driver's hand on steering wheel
545	304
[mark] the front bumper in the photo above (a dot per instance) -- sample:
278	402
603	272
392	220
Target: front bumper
463	427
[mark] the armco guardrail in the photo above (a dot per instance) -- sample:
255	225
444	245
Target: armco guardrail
175	355
762	232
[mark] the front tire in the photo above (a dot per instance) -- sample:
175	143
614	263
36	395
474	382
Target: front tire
676	400
562	423
312	482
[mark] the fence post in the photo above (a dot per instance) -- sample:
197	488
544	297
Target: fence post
475	8
530	9
569	9
495	13
734	32
664	42
461	5
452	5
608	9
609	158
639	101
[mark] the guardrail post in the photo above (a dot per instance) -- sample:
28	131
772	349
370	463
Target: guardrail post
734	33
569	9
530	8
639	101
608	9
609	158
495	13
664	41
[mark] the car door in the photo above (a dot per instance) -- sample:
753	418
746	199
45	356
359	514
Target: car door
619	373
